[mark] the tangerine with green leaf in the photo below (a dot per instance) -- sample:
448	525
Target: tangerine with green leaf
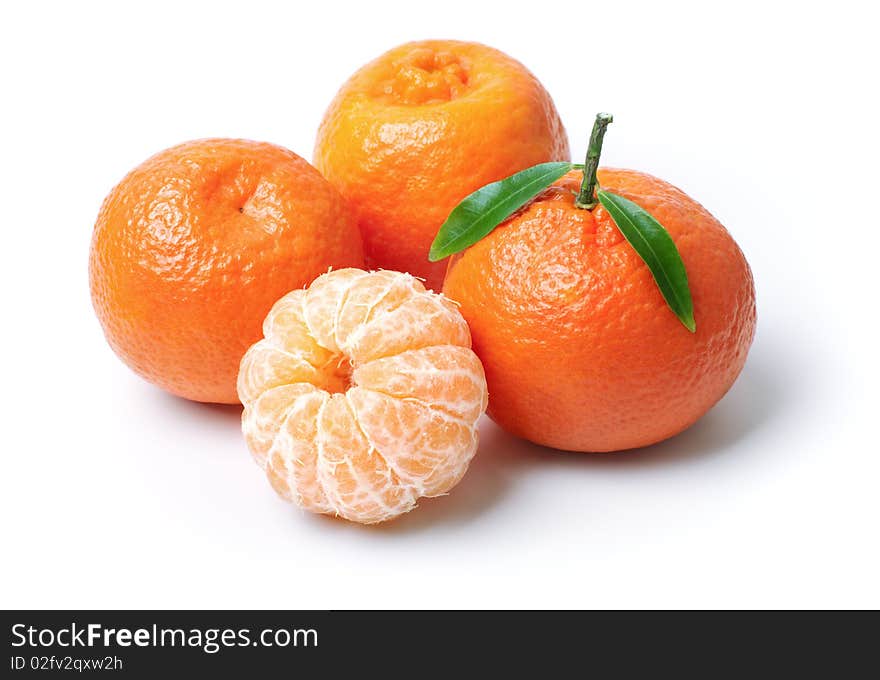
605	320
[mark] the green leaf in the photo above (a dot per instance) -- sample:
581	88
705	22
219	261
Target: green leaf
655	246
486	208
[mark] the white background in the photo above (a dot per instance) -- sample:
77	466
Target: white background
113	494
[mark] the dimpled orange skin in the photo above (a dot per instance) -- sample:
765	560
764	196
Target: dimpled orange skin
421	127
580	350
191	249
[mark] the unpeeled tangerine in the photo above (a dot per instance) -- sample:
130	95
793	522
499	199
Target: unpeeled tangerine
363	395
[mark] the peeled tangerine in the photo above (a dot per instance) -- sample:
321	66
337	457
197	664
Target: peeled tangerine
363	396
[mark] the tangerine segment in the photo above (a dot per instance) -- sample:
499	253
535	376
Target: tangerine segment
397	427
444	375
264	367
289	452
359	483
285	329
363	396
366	316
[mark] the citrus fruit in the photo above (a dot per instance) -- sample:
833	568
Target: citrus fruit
418	129
193	246
579	347
363	395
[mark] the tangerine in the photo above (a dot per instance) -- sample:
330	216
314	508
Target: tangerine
194	245
579	347
363	395
421	127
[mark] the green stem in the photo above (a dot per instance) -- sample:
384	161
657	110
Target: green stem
586	197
